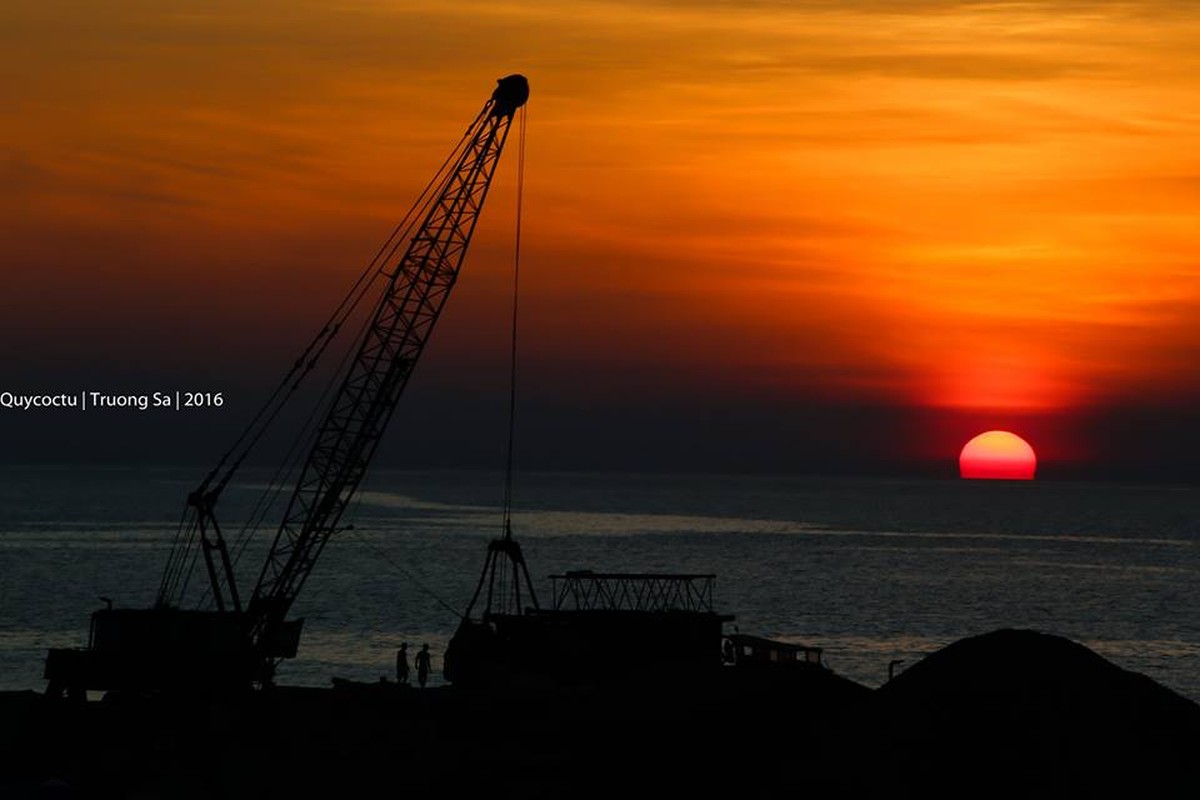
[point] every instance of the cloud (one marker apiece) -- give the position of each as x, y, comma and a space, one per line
786, 198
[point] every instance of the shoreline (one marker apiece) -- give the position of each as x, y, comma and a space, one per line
1009, 710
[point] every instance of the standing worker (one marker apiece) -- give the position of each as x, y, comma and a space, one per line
402, 664
423, 665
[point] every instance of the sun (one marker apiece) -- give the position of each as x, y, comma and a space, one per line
998, 455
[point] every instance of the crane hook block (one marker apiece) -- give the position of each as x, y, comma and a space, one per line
511, 93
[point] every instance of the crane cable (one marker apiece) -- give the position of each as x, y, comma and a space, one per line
512, 404
512, 375
182, 559
377, 267
412, 576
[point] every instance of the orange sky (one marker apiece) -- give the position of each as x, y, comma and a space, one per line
985, 208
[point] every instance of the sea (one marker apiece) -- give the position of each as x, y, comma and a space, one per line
872, 571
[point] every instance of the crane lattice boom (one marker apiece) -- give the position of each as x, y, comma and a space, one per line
416, 293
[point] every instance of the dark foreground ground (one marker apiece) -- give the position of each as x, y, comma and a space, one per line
1008, 714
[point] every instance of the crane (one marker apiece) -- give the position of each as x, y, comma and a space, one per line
234, 643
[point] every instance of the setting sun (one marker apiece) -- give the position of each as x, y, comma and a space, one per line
997, 455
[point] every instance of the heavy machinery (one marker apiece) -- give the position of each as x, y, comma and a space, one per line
231, 642
601, 627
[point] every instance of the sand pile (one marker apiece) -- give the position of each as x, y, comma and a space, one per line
1026, 714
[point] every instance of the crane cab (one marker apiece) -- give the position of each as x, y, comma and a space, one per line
167, 649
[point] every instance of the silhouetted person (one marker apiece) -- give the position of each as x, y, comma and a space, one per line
727, 651
423, 665
402, 663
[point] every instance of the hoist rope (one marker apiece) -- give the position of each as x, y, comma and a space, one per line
508, 480
512, 375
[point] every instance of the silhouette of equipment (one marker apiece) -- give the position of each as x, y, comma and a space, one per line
601, 627
230, 642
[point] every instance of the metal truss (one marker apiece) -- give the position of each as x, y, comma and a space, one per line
615, 591
418, 287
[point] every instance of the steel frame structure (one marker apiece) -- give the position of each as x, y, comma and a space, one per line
416, 293
616, 591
